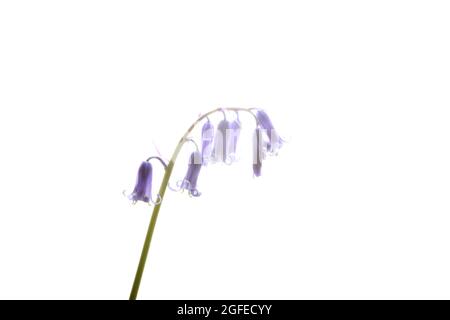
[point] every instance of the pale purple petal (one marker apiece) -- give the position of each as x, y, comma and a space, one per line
207, 141
221, 145
190, 180
275, 141
234, 132
257, 152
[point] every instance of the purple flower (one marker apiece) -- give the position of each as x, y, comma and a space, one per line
221, 150
190, 180
143, 189
275, 141
233, 136
207, 141
258, 152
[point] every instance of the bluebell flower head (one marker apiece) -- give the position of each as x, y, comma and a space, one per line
275, 141
143, 188
190, 180
207, 141
221, 152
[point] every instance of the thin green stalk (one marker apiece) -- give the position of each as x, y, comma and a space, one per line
162, 191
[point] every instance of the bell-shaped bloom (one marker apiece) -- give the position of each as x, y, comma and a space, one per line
233, 136
221, 152
258, 152
275, 141
143, 188
207, 141
190, 180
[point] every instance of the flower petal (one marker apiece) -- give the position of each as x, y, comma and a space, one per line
257, 152
207, 141
190, 180
221, 145
275, 141
234, 132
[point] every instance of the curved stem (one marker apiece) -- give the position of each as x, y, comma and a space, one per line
195, 143
160, 160
162, 191
223, 113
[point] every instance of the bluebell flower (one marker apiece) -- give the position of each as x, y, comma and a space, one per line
221, 152
207, 141
275, 141
233, 136
143, 188
258, 152
190, 180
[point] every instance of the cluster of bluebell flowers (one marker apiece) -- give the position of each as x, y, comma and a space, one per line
218, 144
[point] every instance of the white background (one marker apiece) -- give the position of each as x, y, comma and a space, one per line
356, 205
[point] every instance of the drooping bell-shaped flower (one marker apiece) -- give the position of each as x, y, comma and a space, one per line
233, 133
190, 180
143, 188
207, 141
221, 152
258, 152
275, 141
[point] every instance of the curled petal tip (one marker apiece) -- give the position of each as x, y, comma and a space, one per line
194, 193
157, 201
256, 171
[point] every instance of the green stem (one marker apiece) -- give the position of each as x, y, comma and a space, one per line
162, 191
